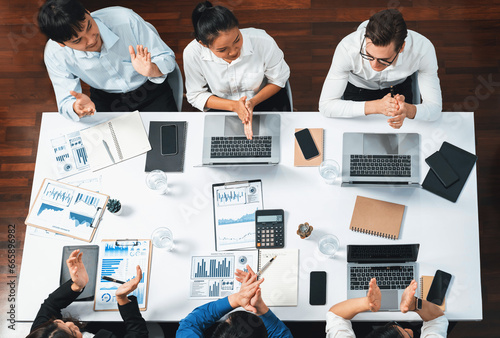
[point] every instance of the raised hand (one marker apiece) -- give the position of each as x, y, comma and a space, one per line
77, 271
374, 296
128, 287
142, 62
408, 298
83, 105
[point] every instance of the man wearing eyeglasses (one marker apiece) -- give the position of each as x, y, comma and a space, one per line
371, 73
338, 324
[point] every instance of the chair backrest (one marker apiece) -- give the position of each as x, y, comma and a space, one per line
174, 78
289, 93
415, 89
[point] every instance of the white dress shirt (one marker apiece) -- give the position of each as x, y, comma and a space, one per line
338, 327
348, 66
260, 62
110, 69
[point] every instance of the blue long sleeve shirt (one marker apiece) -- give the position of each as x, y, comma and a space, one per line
110, 69
206, 315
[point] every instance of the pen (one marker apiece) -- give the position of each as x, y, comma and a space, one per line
265, 266
109, 152
110, 279
392, 91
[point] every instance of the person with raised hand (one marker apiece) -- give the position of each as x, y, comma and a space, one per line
233, 69
118, 54
49, 321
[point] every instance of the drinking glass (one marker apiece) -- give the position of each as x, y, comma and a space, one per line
157, 181
328, 245
329, 170
163, 239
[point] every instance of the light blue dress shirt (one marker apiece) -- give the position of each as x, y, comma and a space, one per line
110, 69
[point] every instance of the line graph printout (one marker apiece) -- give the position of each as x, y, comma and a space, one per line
67, 210
119, 260
70, 155
234, 214
212, 276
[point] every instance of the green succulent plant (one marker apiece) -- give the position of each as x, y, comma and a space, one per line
114, 205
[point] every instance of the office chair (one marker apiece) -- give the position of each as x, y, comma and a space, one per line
415, 88
155, 330
289, 93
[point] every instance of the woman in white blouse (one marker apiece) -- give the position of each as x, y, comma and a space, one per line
232, 69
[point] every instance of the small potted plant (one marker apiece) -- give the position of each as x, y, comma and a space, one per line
114, 206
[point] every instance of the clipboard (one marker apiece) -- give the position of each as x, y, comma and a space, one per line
118, 259
67, 210
235, 204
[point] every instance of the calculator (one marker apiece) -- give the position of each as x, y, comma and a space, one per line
269, 229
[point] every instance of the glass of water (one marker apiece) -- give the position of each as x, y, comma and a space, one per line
329, 170
163, 239
328, 245
157, 181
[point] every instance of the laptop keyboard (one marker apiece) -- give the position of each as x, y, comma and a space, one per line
380, 252
236, 146
388, 277
381, 165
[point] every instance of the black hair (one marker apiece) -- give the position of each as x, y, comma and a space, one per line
386, 331
61, 20
50, 329
209, 21
241, 324
387, 26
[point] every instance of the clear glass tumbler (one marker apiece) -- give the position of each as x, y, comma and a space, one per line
328, 245
157, 181
163, 239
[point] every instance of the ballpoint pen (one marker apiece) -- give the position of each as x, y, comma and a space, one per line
265, 266
107, 149
111, 279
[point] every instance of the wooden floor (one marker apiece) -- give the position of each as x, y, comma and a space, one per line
467, 42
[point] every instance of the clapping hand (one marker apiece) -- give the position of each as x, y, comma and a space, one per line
374, 296
77, 271
256, 301
128, 287
408, 298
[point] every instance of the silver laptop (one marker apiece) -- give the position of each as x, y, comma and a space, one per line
394, 267
371, 159
225, 143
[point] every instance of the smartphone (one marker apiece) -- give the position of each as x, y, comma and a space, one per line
438, 287
168, 135
442, 169
306, 144
317, 288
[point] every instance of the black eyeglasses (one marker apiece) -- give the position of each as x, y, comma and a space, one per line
371, 58
406, 335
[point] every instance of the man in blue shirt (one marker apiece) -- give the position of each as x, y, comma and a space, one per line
261, 322
118, 54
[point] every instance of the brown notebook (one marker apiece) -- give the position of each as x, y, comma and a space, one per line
299, 160
425, 285
377, 218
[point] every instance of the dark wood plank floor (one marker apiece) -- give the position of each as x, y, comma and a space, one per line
465, 34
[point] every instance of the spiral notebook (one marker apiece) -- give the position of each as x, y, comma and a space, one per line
425, 285
115, 141
281, 277
377, 218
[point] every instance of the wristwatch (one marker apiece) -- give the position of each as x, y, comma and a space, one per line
418, 304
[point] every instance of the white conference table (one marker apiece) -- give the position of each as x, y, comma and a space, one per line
447, 232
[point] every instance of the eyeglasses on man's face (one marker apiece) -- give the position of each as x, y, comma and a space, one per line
371, 58
406, 334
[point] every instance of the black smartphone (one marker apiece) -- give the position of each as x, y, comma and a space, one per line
442, 169
168, 136
317, 288
306, 144
438, 287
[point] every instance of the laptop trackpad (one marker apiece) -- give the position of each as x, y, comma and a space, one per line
234, 127
390, 300
380, 144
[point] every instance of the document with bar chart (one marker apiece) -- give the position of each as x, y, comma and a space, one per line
212, 276
234, 214
67, 210
70, 155
118, 260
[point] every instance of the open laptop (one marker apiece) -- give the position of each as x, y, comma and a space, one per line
225, 143
371, 159
394, 267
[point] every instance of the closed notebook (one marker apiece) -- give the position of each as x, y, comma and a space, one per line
299, 159
280, 287
425, 285
377, 218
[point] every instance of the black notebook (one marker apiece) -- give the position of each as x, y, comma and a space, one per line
167, 163
90, 258
462, 163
